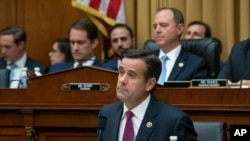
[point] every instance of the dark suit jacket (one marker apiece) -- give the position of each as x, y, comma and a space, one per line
65, 66
237, 66
30, 64
111, 64
166, 121
194, 67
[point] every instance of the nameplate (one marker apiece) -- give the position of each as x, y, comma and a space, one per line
85, 87
209, 83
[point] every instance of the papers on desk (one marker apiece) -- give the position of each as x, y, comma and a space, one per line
234, 85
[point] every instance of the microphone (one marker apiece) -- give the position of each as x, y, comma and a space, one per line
101, 126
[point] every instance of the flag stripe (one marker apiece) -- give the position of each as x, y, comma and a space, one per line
113, 8
120, 18
95, 4
104, 6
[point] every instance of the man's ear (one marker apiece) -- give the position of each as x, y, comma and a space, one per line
150, 84
180, 28
21, 45
95, 43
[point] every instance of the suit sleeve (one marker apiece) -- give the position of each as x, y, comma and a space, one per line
226, 72
184, 129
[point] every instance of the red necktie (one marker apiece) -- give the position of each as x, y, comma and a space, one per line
128, 134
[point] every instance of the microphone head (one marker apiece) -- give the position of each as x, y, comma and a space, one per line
102, 123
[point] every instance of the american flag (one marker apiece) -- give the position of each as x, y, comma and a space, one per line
104, 13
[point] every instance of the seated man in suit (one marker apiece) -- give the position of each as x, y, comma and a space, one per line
121, 38
150, 119
83, 36
237, 68
15, 57
178, 64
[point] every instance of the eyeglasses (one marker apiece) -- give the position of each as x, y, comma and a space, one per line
54, 51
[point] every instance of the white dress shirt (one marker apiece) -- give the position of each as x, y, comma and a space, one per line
172, 56
17, 71
89, 62
139, 112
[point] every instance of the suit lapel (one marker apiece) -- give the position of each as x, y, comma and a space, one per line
28, 63
149, 121
178, 66
3, 63
116, 122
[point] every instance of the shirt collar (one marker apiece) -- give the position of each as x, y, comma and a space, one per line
173, 54
140, 110
89, 62
20, 62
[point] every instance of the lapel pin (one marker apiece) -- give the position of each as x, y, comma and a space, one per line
149, 124
181, 64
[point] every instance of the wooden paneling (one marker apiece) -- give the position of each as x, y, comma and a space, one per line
12, 134
45, 21
63, 134
56, 114
8, 13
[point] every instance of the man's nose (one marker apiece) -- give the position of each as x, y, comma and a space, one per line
119, 42
74, 46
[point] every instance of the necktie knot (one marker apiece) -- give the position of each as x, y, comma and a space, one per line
79, 64
129, 115
164, 58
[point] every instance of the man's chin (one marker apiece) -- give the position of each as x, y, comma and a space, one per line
121, 96
159, 42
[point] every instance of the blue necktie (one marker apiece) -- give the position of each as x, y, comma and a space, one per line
11, 77
128, 134
163, 70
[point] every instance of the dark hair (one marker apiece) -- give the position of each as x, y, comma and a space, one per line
88, 26
18, 33
208, 32
152, 61
121, 25
64, 47
178, 17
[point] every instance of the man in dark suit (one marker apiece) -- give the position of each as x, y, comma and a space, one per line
83, 36
152, 120
237, 67
178, 64
121, 38
12, 43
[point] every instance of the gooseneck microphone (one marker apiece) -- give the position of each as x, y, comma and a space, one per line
101, 126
